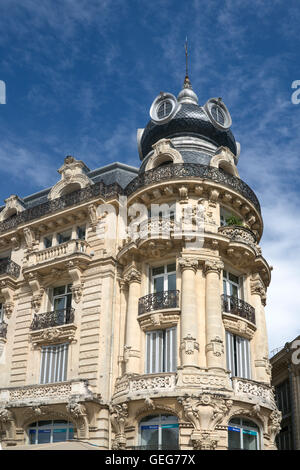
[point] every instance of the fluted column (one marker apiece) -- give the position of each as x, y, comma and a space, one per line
132, 351
260, 348
215, 339
189, 344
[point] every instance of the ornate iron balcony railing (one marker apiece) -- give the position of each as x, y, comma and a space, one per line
238, 307
167, 172
3, 329
159, 301
54, 318
192, 170
8, 266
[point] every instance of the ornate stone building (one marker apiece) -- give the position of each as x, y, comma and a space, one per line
132, 300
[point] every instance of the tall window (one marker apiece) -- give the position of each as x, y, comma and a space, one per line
232, 285
161, 351
1, 313
64, 236
43, 432
238, 356
54, 363
62, 303
242, 435
163, 278
159, 432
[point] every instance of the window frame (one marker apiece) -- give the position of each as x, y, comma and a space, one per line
241, 426
165, 276
66, 425
52, 365
164, 344
159, 425
238, 356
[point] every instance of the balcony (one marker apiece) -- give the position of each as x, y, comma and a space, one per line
240, 234
9, 268
3, 330
45, 393
53, 318
155, 228
159, 301
136, 386
253, 390
57, 254
238, 307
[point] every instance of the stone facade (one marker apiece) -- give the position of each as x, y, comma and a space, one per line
106, 390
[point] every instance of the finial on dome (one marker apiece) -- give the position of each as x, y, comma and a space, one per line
187, 94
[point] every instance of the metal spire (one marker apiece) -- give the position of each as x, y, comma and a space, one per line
187, 83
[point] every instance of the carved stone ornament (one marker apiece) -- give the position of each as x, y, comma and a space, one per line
257, 287
118, 417
73, 174
7, 289
204, 440
132, 275
189, 345
13, 205
37, 289
74, 271
274, 425
213, 266
5, 415
158, 320
205, 411
188, 263
30, 238
163, 151
216, 345
239, 327
93, 217
53, 335
79, 414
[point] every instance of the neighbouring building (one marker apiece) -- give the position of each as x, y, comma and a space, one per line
134, 326
286, 381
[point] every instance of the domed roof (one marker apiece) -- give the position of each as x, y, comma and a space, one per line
190, 119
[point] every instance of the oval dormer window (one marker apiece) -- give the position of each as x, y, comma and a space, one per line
164, 109
218, 114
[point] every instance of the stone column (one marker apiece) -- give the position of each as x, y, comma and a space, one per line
259, 348
132, 351
215, 337
189, 344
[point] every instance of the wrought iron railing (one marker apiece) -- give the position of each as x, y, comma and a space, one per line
167, 172
8, 266
238, 307
159, 301
3, 329
54, 318
76, 197
192, 170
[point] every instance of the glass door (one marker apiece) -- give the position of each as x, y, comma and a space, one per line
62, 303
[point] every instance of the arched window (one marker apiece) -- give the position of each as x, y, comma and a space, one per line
159, 432
242, 434
44, 432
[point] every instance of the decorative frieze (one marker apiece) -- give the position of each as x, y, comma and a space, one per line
156, 382
254, 389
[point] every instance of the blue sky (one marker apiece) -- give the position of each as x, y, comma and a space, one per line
81, 76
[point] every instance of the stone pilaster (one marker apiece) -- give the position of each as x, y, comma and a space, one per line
260, 341
189, 344
132, 351
215, 340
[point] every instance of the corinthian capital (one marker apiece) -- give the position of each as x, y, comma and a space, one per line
132, 275
188, 263
213, 266
257, 287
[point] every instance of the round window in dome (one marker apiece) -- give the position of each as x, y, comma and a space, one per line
218, 113
163, 108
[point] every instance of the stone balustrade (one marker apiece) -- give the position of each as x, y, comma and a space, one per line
145, 383
251, 389
44, 393
55, 252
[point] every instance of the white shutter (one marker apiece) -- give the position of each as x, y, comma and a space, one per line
230, 353
54, 363
154, 351
170, 350
243, 357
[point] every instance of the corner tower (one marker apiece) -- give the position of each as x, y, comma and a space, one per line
193, 367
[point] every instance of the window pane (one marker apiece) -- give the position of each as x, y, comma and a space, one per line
171, 267
44, 436
169, 435
59, 435
249, 440
234, 291
172, 282
158, 284
59, 290
233, 278
234, 438
32, 436
149, 435
159, 270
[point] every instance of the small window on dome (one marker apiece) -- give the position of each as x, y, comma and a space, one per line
164, 109
218, 114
